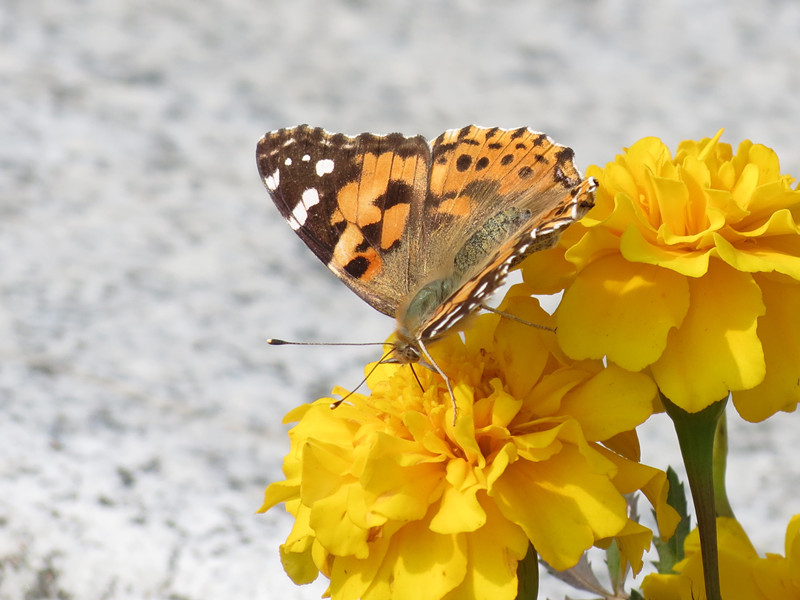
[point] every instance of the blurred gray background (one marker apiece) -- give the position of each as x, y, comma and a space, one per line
142, 265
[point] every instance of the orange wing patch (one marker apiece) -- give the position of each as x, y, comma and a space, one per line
358, 261
501, 159
395, 220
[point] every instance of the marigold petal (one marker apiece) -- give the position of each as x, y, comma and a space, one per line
716, 349
522, 370
548, 269
297, 413
780, 253
625, 444
637, 249
774, 579
613, 401
334, 530
424, 560
621, 310
736, 556
771, 198
459, 510
297, 562
658, 586
653, 483
400, 481
327, 463
297, 552
550, 392
368, 578
779, 576
763, 157
562, 506
277, 492
595, 243
746, 184
494, 551
780, 389
422, 430
633, 541
792, 542
672, 200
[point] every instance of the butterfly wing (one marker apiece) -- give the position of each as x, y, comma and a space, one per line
491, 272
351, 200
495, 195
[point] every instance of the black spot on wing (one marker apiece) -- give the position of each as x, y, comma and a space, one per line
525, 172
564, 157
463, 163
397, 192
441, 151
357, 267
464, 132
539, 139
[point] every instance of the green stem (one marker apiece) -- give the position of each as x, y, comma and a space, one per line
528, 575
696, 433
721, 503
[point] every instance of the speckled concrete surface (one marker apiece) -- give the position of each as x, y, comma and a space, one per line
142, 267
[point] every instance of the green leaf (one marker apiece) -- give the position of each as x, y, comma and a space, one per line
671, 551
614, 565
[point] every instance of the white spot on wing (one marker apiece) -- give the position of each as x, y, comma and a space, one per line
273, 180
306, 158
481, 289
324, 166
309, 198
299, 216
288, 161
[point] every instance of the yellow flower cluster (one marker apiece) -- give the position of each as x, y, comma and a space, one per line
688, 266
744, 574
681, 281
389, 497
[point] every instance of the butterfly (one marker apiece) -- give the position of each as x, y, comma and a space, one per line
423, 232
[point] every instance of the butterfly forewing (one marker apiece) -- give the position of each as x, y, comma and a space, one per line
349, 199
491, 272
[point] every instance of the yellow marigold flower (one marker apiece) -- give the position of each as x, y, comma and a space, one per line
744, 575
390, 498
687, 265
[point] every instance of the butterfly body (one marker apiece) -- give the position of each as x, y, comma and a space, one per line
424, 232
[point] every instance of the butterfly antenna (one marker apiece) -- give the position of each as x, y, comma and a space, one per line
438, 369
279, 342
421, 387
336, 403
506, 315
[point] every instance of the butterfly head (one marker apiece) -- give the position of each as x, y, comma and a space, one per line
404, 351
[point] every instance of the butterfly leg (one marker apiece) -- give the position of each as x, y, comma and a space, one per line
506, 315
438, 369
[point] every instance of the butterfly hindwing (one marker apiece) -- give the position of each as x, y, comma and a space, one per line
494, 196
491, 272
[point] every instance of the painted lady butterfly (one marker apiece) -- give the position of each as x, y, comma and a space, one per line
423, 232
